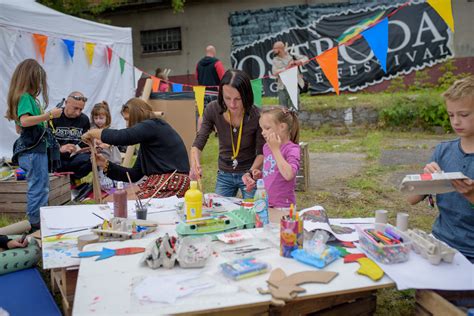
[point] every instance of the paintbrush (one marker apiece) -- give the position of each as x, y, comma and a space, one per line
161, 186
198, 177
139, 202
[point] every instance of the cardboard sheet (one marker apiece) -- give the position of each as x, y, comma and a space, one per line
430, 183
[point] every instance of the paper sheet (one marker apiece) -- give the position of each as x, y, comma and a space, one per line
154, 206
67, 217
151, 289
418, 273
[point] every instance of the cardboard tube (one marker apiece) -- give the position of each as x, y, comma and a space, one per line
16, 229
402, 221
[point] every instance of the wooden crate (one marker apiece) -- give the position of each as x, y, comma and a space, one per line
302, 178
436, 303
13, 194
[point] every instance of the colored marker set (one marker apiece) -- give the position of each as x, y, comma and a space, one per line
386, 245
244, 268
291, 233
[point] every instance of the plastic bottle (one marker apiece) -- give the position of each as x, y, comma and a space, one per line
261, 204
120, 201
193, 202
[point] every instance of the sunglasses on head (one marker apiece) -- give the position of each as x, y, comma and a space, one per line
78, 98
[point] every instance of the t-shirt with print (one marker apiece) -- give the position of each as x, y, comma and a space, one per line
29, 105
70, 130
455, 222
281, 193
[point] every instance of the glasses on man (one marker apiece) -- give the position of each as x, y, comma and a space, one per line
78, 98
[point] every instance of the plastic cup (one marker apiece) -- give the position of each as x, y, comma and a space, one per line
141, 212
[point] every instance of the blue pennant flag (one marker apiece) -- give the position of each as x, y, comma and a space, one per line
377, 37
177, 87
70, 47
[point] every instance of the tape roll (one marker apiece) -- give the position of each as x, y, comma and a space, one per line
86, 239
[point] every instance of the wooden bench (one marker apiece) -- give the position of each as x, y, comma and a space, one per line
13, 195
302, 178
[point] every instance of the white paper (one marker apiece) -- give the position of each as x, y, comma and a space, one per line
67, 217
418, 273
154, 206
151, 289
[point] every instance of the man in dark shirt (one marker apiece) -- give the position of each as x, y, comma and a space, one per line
68, 129
209, 72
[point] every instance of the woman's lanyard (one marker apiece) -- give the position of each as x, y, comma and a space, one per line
236, 149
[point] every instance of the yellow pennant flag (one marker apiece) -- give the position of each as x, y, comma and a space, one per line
445, 10
199, 92
90, 52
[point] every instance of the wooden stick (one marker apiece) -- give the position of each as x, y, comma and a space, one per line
198, 177
161, 186
95, 175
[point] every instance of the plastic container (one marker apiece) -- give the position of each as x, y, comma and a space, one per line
193, 202
385, 253
120, 201
244, 268
261, 204
319, 261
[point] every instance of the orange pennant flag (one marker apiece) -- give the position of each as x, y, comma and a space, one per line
328, 63
156, 83
90, 52
41, 42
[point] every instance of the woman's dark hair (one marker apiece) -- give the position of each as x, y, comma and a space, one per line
240, 81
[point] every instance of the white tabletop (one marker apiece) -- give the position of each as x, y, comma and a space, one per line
106, 287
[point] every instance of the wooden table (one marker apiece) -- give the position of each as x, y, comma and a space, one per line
106, 287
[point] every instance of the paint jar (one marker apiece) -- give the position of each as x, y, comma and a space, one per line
120, 201
141, 211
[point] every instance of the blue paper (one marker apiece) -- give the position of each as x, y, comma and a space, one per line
70, 47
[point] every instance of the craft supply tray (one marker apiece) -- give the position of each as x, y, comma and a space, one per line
383, 253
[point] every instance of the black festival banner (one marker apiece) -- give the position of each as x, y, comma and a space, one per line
418, 38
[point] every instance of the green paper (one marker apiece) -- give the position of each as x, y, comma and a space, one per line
257, 92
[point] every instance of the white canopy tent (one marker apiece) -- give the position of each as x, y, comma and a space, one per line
20, 19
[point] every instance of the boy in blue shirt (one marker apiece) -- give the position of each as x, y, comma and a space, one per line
455, 223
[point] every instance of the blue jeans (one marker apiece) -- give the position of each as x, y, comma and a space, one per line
228, 184
36, 169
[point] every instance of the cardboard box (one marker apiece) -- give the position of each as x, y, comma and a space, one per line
430, 183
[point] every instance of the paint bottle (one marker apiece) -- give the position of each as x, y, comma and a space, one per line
260, 204
193, 202
120, 201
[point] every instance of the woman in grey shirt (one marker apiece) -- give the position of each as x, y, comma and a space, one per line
235, 118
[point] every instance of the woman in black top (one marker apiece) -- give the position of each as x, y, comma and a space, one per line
161, 152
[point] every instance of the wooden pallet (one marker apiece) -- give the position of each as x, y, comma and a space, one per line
13, 195
302, 178
434, 303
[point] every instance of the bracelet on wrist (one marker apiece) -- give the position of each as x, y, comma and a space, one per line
106, 167
50, 115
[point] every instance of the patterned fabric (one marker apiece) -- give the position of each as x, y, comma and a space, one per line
177, 185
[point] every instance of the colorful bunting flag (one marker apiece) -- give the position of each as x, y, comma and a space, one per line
353, 32
377, 37
156, 84
289, 78
41, 42
90, 52
70, 47
199, 92
177, 87
328, 63
445, 11
257, 89
138, 74
109, 55
122, 65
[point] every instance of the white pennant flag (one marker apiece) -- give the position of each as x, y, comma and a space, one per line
138, 74
11, 40
290, 80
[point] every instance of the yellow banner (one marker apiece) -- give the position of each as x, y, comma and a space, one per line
445, 11
90, 52
199, 92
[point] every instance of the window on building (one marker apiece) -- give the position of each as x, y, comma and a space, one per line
163, 40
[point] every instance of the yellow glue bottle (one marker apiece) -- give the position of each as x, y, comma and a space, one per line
193, 202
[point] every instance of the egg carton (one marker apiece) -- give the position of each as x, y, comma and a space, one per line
430, 248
